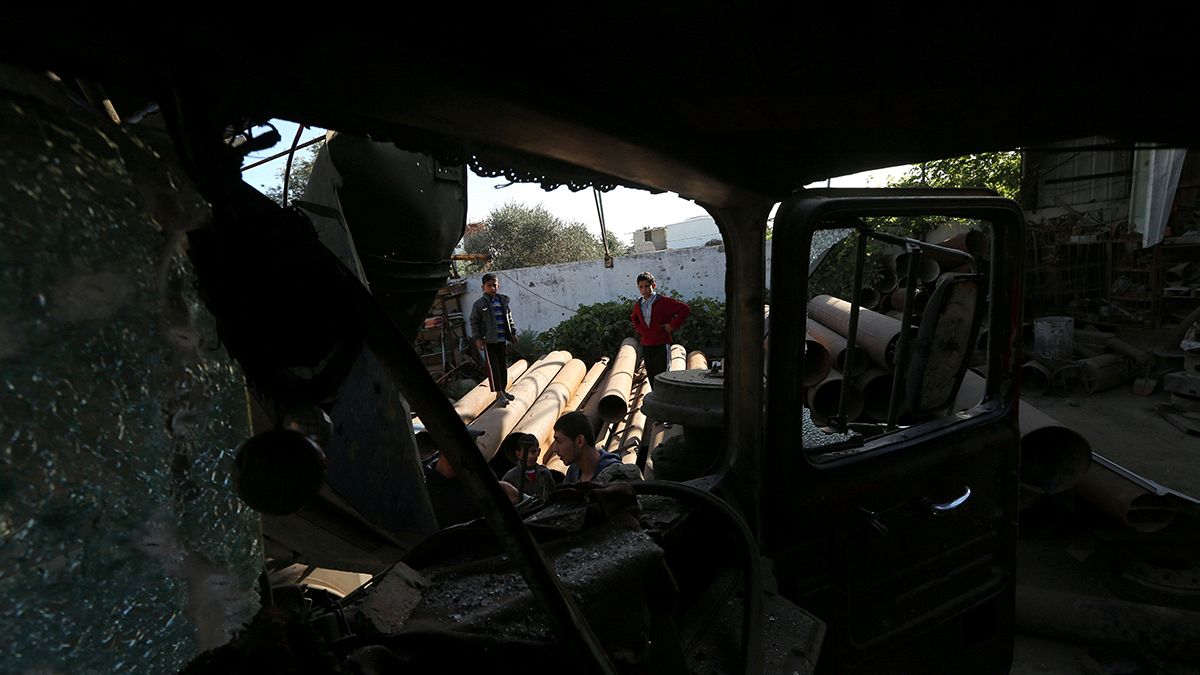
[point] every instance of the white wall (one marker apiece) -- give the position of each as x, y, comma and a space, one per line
542, 297
695, 231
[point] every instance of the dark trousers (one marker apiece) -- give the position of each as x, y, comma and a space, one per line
497, 357
656, 358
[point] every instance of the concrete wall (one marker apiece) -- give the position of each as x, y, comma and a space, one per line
542, 297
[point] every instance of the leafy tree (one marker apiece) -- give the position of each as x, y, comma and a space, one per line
302, 166
1000, 171
529, 236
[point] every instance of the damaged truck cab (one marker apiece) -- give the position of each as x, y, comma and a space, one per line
831, 535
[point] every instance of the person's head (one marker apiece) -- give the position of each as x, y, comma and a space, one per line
491, 284
646, 285
573, 436
522, 449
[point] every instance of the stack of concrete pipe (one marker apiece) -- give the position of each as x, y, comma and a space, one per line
633, 432
867, 371
1088, 362
891, 280
498, 421
579, 400
552, 402
614, 401
474, 402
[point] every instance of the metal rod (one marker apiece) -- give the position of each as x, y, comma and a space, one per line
860, 259
924, 246
901, 374
400, 360
274, 157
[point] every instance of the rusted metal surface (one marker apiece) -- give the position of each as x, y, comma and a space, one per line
499, 421
614, 399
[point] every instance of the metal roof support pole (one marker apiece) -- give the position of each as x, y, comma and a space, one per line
744, 229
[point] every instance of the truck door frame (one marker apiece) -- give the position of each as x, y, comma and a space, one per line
830, 519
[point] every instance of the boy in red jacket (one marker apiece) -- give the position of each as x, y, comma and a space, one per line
655, 317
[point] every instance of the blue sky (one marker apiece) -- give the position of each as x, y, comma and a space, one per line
625, 210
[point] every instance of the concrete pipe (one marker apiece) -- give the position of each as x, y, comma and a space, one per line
587, 384
1035, 378
824, 399
885, 281
869, 298
550, 404
1125, 500
1054, 458
877, 334
835, 345
499, 421
974, 242
635, 430
1091, 620
876, 388
696, 360
614, 399
1103, 372
678, 360
1138, 356
478, 399
927, 268
895, 314
896, 301
817, 362
590, 406
474, 403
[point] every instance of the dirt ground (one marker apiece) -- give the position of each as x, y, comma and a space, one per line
1067, 546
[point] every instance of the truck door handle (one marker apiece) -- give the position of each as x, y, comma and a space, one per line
939, 509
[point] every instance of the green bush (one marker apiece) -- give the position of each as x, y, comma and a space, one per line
532, 346
704, 328
597, 330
